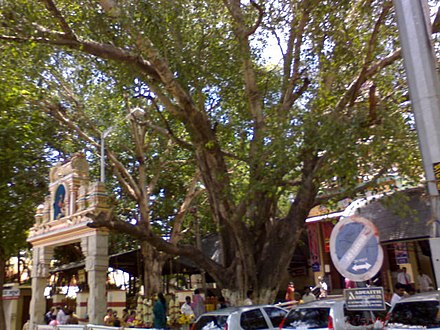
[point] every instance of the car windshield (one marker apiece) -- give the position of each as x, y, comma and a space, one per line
207, 322
310, 318
417, 313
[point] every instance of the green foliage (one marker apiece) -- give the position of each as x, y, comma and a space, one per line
23, 166
30, 142
197, 41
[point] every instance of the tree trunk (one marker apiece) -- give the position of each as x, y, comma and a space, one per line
260, 296
233, 297
2, 282
153, 265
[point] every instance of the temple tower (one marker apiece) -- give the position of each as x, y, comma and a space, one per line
62, 220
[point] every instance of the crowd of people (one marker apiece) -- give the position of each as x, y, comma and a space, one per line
194, 306
189, 311
112, 318
405, 286
60, 315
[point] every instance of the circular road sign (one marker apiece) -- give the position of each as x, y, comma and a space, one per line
355, 249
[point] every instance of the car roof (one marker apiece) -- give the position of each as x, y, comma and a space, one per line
230, 310
424, 296
328, 302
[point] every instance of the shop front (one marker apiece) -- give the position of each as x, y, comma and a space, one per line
403, 221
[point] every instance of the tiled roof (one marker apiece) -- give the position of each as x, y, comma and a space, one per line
404, 216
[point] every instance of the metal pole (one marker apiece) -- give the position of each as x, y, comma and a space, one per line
424, 88
102, 157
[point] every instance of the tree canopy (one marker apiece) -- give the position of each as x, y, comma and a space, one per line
253, 112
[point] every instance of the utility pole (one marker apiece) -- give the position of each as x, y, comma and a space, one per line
424, 89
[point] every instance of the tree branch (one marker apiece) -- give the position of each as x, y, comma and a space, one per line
292, 74
353, 89
436, 23
50, 5
58, 112
107, 220
259, 19
105, 51
368, 71
192, 192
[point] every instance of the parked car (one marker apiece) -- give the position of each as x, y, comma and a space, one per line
421, 310
241, 318
330, 314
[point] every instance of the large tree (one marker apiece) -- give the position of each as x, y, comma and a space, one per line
253, 113
25, 146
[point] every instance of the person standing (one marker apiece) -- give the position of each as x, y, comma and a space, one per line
27, 325
248, 301
221, 303
125, 316
349, 284
308, 295
424, 282
198, 304
398, 294
109, 317
323, 287
48, 315
404, 279
61, 315
188, 313
290, 292
72, 318
160, 312
131, 317
53, 320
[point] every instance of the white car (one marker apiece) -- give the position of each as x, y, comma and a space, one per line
420, 311
331, 314
241, 318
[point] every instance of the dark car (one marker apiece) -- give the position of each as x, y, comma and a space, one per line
420, 311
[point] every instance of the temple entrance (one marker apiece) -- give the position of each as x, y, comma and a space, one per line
62, 220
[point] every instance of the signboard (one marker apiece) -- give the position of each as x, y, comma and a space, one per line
436, 168
365, 299
81, 276
355, 249
11, 294
401, 253
298, 271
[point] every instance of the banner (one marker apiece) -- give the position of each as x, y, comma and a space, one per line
327, 228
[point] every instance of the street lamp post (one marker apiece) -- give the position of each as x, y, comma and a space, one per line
106, 133
103, 136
